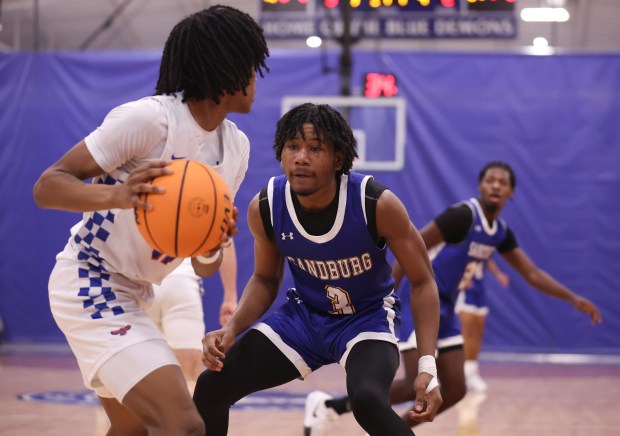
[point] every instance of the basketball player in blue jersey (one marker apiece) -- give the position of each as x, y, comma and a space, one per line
102, 280
333, 228
461, 240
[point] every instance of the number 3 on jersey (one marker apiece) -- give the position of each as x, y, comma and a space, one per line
341, 302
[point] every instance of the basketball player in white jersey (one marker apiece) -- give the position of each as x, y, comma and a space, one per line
103, 278
177, 310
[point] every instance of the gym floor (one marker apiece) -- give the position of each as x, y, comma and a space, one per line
41, 392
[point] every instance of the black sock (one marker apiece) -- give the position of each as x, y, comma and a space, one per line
340, 405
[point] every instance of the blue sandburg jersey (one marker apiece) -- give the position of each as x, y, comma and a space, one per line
456, 265
343, 271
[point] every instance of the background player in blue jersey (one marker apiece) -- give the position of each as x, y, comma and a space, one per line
472, 308
459, 241
333, 227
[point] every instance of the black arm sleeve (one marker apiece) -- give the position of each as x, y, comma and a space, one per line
265, 213
454, 223
509, 243
373, 192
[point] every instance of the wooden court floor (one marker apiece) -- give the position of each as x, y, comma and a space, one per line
537, 399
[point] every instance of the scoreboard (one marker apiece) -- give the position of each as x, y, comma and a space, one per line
408, 5
390, 18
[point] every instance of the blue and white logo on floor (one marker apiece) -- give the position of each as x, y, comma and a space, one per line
255, 401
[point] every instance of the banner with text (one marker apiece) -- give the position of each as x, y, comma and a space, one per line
411, 19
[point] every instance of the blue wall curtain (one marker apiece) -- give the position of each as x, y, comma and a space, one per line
554, 119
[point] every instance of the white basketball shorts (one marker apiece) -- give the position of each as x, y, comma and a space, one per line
100, 315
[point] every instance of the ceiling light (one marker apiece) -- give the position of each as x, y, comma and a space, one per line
313, 41
547, 15
540, 42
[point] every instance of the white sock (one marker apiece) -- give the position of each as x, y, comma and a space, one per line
471, 367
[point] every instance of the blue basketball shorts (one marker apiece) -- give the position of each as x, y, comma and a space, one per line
311, 339
473, 300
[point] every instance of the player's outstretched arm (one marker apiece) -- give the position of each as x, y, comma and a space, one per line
544, 282
258, 294
403, 239
228, 276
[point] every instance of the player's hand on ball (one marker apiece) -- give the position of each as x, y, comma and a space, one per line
137, 183
232, 229
226, 238
190, 211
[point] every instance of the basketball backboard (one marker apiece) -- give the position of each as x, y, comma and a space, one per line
379, 126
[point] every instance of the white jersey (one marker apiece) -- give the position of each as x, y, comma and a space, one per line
153, 128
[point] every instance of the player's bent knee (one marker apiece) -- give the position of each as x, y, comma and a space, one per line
129, 430
194, 426
365, 401
185, 422
212, 391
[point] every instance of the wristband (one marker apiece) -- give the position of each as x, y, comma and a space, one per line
427, 364
209, 260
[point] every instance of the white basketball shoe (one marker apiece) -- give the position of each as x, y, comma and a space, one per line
318, 417
473, 380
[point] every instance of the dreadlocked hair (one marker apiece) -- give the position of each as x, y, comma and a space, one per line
329, 126
212, 53
502, 165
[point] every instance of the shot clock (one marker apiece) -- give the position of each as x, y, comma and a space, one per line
380, 85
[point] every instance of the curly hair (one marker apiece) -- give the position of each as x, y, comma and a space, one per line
212, 53
502, 165
329, 125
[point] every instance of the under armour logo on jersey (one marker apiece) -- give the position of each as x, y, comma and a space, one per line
285, 236
478, 228
122, 331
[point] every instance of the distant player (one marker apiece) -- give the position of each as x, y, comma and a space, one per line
460, 241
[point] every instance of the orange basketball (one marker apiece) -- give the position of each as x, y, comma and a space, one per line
190, 218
